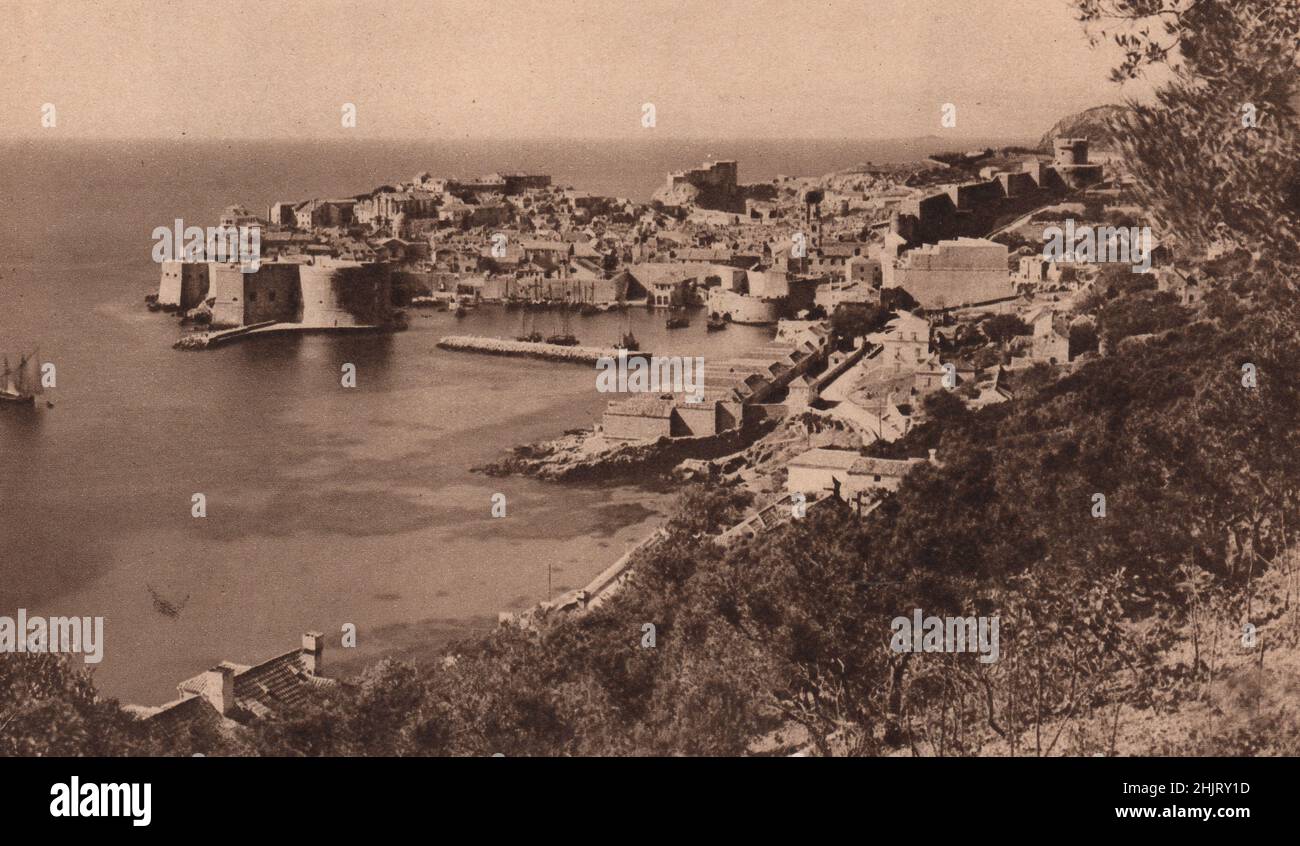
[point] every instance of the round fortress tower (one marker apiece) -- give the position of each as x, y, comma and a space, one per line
1067, 152
345, 293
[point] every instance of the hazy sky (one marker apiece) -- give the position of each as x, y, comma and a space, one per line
564, 68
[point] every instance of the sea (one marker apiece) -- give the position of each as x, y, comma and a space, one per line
327, 507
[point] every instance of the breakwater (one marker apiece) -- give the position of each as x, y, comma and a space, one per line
207, 340
529, 349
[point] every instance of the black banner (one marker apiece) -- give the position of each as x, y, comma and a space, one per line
649, 795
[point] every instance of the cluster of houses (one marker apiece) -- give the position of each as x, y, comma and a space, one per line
752, 253
771, 380
881, 395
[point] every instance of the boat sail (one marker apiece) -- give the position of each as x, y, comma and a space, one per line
627, 341
565, 337
528, 324
21, 384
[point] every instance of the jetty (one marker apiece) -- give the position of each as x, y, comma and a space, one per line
219, 337
530, 349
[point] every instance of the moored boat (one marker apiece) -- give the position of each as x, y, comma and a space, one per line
20, 385
565, 337
528, 330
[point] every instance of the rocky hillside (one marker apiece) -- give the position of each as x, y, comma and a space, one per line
1093, 124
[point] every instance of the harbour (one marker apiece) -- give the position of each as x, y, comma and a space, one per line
340, 505
353, 504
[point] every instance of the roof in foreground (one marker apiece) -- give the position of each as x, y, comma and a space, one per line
837, 459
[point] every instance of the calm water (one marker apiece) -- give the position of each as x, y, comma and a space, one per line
326, 505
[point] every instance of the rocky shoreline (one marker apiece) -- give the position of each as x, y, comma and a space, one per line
751, 455
760, 466
585, 456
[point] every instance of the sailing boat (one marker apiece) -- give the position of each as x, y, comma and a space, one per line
589, 307
565, 337
627, 341
21, 384
528, 329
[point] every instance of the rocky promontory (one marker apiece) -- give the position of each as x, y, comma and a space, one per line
586, 455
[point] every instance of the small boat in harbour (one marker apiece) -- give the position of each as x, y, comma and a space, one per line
677, 320
565, 337
20, 385
715, 323
528, 330
627, 341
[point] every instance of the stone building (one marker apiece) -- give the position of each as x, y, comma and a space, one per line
965, 271
1051, 336
183, 285
821, 471
641, 418
324, 292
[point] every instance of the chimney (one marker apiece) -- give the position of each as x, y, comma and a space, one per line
219, 688
313, 648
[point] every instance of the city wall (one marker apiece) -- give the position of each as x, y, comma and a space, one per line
327, 294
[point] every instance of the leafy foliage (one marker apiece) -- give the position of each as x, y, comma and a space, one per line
1207, 172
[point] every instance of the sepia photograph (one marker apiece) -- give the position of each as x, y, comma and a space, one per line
897, 380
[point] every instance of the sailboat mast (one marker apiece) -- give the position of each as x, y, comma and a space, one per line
29, 378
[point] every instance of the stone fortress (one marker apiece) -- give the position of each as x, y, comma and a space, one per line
321, 292
936, 249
